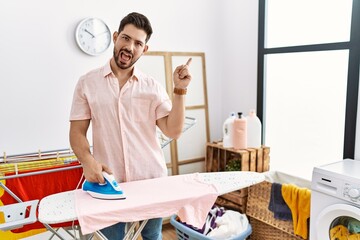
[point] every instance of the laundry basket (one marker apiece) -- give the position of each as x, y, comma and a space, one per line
264, 225
185, 233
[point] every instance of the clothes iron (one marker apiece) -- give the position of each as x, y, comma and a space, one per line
108, 190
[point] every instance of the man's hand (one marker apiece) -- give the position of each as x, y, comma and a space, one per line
93, 171
182, 75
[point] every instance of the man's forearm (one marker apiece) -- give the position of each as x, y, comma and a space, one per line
172, 125
79, 142
92, 169
176, 118
81, 148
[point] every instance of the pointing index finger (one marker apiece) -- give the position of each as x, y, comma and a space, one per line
188, 62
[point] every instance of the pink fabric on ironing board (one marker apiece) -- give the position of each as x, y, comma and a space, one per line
183, 195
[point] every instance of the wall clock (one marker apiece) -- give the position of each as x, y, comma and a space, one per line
93, 36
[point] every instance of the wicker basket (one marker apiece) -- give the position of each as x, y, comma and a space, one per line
185, 233
264, 231
265, 226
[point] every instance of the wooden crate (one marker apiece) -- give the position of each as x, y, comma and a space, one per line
251, 159
236, 200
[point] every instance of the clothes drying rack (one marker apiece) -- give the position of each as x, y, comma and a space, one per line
22, 213
26, 165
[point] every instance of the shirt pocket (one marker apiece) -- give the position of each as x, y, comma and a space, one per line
140, 109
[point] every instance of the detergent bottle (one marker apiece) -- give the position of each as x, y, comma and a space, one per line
240, 132
228, 129
253, 130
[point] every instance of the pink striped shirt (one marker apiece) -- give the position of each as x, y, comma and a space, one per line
123, 121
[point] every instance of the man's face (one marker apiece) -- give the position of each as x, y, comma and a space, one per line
129, 45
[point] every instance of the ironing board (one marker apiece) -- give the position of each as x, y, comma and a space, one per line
60, 207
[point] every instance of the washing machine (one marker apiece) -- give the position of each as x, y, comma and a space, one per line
335, 201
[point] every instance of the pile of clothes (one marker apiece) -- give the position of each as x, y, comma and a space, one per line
345, 228
223, 224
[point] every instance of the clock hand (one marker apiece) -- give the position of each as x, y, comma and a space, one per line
89, 33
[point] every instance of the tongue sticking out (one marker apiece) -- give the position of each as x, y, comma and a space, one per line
125, 57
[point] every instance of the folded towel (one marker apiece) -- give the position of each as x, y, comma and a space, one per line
298, 200
277, 204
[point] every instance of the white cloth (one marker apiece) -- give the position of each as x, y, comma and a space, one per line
230, 224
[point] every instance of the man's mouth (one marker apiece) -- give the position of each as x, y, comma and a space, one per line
125, 56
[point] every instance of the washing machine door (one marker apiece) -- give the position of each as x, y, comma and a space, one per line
338, 221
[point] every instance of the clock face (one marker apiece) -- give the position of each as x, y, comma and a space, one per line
93, 36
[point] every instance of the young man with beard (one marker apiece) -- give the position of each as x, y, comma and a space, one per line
124, 106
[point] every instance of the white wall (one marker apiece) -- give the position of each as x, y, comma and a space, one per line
239, 79
40, 62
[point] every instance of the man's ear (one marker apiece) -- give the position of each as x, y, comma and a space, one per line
115, 36
146, 48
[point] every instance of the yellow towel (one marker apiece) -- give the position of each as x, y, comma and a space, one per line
354, 236
339, 232
298, 200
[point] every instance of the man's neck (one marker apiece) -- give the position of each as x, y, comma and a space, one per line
121, 74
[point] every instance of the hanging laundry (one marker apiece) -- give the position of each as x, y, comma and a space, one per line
298, 200
277, 204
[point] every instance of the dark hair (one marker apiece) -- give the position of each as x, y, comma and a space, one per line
139, 21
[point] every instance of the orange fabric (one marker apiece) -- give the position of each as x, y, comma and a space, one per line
39, 186
298, 200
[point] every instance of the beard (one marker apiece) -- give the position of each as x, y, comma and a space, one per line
121, 64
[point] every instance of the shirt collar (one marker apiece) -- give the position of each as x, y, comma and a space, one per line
107, 71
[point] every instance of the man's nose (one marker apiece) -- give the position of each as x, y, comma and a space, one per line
131, 46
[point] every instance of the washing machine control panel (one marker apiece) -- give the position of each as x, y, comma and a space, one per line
352, 192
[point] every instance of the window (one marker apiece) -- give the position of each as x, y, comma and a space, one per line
303, 22
308, 81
